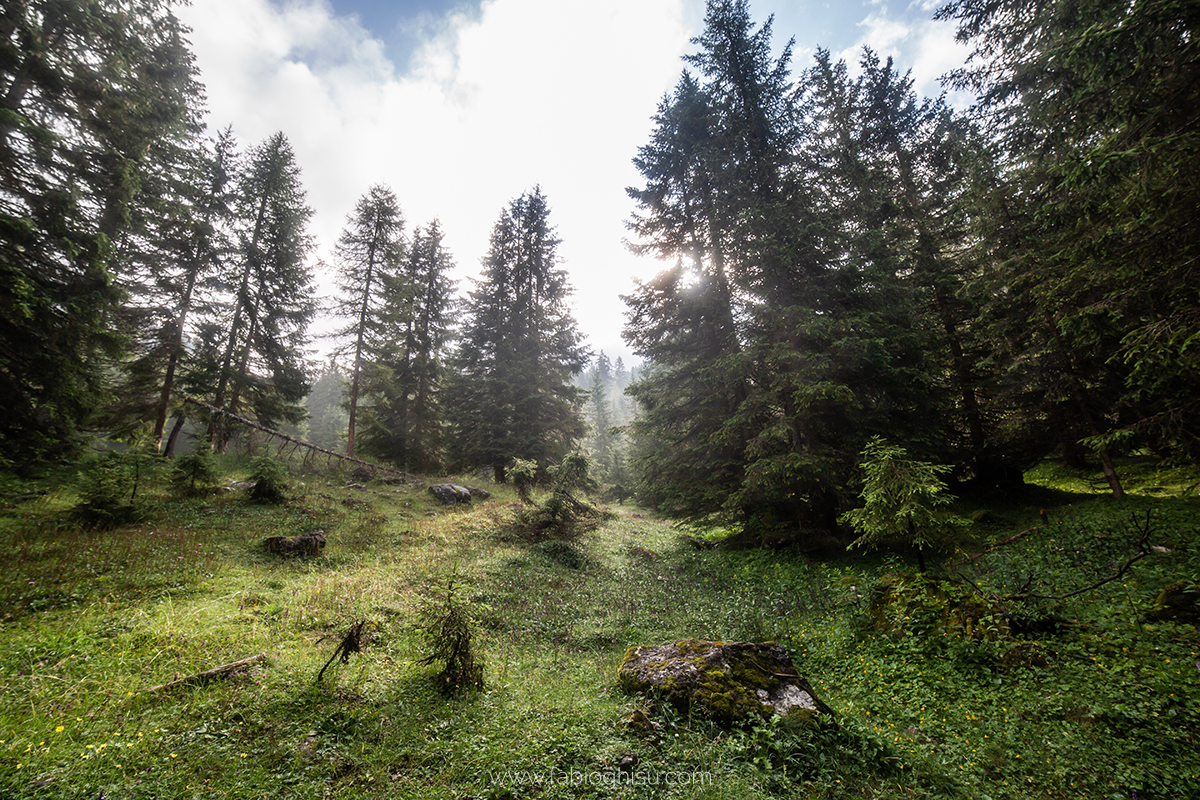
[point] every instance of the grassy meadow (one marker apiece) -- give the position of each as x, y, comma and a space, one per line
1091, 697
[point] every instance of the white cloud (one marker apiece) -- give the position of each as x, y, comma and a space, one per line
527, 92
916, 42
519, 92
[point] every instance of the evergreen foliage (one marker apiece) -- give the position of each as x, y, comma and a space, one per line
269, 479
794, 324
608, 412
524, 476
843, 260
1094, 112
177, 259
368, 252
404, 421
512, 394
903, 501
449, 632
194, 472
109, 484
89, 93
327, 419
262, 371
564, 514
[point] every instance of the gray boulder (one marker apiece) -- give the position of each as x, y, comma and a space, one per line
452, 493
728, 681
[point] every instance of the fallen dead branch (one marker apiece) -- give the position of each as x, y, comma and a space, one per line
352, 642
313, 449
223, 671
996, 546
1143, 551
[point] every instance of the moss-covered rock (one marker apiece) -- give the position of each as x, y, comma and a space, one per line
727, 681
914, 604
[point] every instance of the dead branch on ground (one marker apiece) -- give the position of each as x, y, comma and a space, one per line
224, 671
352, 642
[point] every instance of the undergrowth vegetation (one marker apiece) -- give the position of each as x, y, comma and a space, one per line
995, 677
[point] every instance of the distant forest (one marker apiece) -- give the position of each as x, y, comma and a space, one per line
846, 261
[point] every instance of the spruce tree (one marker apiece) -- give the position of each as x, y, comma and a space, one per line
368, 254
512, 395
683, 320
796, 322
403, 420
177, 254
262, 369
714, 201
1094, 109
602, 442
86, 90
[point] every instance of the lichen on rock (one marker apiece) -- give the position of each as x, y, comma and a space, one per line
728, 681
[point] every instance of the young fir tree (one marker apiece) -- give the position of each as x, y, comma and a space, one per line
903, 502
368, 253
86, 90
512, 395
262, 368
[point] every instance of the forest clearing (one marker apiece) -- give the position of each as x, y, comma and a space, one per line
907, 400
1101, 700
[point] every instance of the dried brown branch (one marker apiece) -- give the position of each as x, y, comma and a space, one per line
996, 546
352, 642
1143, 551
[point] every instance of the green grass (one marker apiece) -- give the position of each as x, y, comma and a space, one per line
1103, 704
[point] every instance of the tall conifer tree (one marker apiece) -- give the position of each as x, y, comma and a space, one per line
512, 395
403, 420
86, 89
787, 332
368, 253
262, 369
1095, 107
177, 253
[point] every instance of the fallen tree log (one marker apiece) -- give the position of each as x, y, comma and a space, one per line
297, 443
222, 671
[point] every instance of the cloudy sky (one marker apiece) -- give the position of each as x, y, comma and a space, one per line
461, 105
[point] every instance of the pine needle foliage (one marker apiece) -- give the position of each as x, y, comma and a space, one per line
903, 501
449, 633
270, 480
195, 472
565, 514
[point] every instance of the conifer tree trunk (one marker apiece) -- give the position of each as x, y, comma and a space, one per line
358, 343
1079, 393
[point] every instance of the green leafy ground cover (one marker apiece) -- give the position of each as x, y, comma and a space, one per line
1094, 699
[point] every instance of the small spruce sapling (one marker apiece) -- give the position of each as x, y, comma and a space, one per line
902, 501
449, 632
195, 472
270, 480
523, 473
